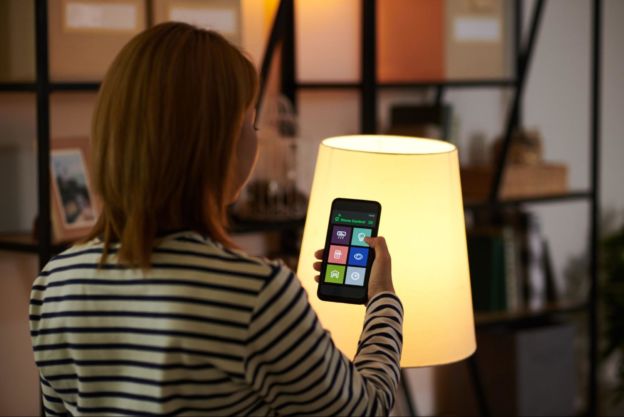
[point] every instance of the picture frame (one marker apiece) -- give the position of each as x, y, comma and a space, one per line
223, 16
75, 207
86, 35
102, 16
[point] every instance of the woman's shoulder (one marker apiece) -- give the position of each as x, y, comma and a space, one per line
182, 251
193, 243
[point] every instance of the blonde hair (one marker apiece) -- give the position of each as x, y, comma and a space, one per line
164, 133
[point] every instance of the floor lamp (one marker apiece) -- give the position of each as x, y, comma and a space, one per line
418, 185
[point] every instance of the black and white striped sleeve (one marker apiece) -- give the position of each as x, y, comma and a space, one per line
293, 364
52, 403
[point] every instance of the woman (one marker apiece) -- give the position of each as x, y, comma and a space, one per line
156, 313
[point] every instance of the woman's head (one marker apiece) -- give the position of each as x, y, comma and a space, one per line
171, 137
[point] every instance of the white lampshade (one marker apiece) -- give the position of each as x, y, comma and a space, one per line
418, 185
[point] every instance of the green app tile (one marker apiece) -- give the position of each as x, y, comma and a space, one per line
358, 235
335, 274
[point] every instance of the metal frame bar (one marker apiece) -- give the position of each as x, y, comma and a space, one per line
43, 131
328, 86
368, 102
276, 35
289, 65
406, 388
596, 90
492, 83
479, 389
18, 87
518, 18
19, 247
439, 97
149, 13
512, 118
75, 86
571, 196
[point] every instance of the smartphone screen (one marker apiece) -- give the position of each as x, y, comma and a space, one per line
347, 258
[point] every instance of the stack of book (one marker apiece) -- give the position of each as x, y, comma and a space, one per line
510, 265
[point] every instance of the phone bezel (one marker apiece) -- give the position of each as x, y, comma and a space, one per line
339, 292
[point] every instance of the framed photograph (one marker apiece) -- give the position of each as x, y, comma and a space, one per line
223, 16
74, 205
101, 16
86, 35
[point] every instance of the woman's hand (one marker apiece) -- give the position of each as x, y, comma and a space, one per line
381, 271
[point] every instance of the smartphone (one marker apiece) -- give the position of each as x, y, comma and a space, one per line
347, 258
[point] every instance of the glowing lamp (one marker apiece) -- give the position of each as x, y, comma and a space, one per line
422, 218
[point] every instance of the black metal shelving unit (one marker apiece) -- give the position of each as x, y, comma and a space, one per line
283, 31
369, 86
43, 87
42, 244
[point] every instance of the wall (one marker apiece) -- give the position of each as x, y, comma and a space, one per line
19, 385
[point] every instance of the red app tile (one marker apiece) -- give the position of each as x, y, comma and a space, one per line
337, 254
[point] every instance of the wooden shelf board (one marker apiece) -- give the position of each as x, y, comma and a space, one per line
504, 317
572, 195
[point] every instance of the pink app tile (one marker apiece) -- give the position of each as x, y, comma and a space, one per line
337, 254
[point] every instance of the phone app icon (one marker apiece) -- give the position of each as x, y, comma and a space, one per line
357, 238
355, 276
337, 254
341, 235
358, 256
335, 274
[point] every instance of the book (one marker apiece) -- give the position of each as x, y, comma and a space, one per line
536, 277
486, 255
418, 25
513, 289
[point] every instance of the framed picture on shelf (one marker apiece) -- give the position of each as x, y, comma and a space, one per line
223, 16
86, 35
74, 205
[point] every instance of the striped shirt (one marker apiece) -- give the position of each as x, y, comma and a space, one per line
205, 331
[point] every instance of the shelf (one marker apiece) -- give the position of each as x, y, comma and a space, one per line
570, 196
408, 84
75, 86
450, 84
60, 86
246, 226
18, 87
19, 242
95, 85
25, 242
521, 315
328, 86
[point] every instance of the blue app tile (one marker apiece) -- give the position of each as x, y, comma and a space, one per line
358, 256
355, 276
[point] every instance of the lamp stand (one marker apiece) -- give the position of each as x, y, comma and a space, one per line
407, 393
477, 383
